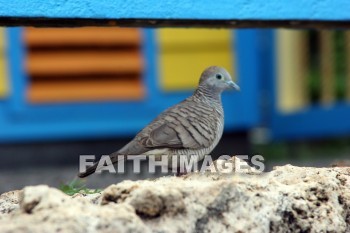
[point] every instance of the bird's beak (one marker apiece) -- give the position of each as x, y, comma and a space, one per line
233, 85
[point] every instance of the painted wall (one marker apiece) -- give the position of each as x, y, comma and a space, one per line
179, 9
23, 120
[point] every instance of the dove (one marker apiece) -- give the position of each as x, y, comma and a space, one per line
192, 127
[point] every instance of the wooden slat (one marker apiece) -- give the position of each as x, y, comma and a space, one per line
81, 36
304, 65
327, 67
293, 60
68, 91
2, 39
4, 85
89, 62
347, 44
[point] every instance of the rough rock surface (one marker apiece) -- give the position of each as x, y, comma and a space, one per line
288, 199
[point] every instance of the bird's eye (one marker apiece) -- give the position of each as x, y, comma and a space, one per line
219, 76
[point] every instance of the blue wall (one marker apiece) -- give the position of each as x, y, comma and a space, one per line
180, 9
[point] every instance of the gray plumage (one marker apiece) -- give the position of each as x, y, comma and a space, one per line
192, 127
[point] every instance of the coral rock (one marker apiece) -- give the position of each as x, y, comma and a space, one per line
288, 199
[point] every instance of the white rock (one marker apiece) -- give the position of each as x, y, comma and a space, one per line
288, 199
9, 202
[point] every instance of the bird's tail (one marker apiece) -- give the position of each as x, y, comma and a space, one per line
88, 171
92, 169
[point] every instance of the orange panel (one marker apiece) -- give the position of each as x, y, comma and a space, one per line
66, 53
82, 36
67, 91
88, 62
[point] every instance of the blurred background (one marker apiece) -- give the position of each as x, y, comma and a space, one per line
87, 91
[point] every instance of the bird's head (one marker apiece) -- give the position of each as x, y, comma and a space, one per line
217, 79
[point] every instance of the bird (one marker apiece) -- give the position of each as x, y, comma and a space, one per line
191, 127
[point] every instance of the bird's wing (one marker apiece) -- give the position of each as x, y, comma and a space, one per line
179, 130
166, 136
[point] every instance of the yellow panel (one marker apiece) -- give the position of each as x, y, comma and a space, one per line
194, 37
182, 70
185, 53
3, 72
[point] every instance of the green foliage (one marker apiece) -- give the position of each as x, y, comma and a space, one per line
77, 186
340, 64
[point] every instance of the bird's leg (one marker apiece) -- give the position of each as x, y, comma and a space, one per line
180, 173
